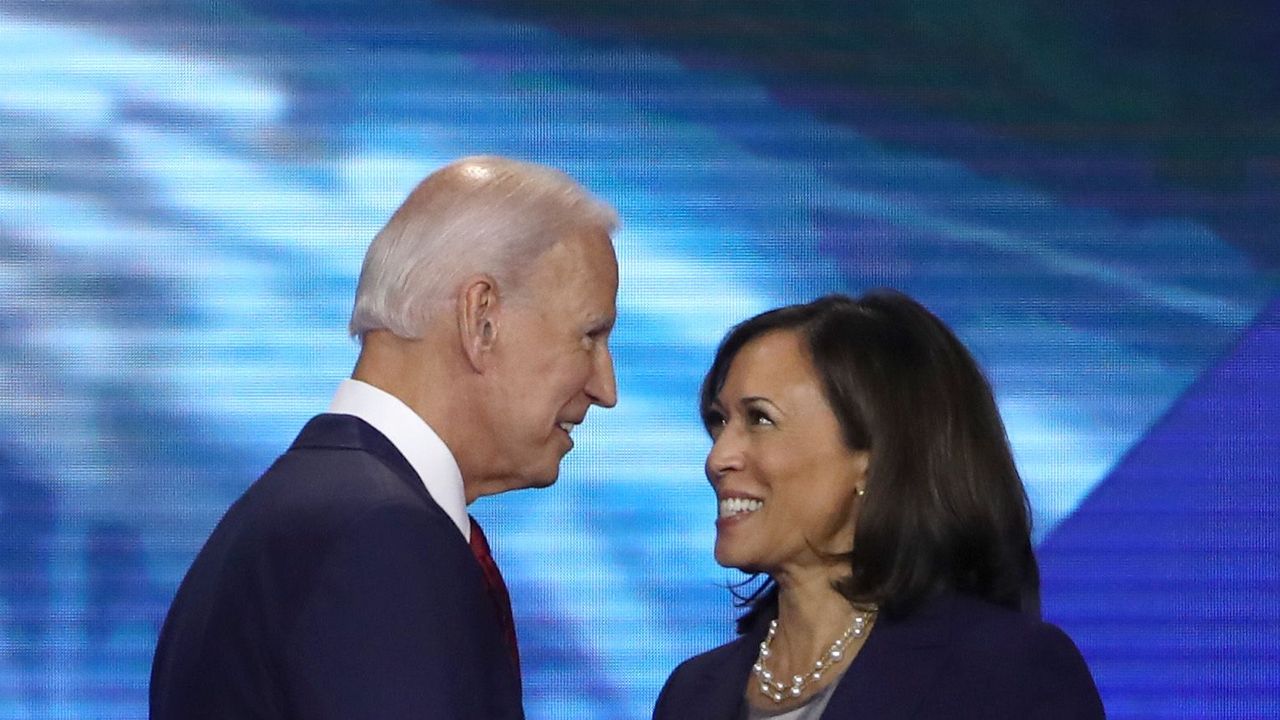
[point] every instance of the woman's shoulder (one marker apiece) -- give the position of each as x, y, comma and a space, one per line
972, 658
1009, 632
994, 646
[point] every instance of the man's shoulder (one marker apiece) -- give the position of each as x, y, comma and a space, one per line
318, 491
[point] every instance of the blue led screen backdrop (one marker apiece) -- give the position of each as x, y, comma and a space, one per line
1089, 196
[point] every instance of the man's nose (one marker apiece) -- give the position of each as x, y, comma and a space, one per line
603, 386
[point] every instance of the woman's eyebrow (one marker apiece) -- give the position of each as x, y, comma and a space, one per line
754, 399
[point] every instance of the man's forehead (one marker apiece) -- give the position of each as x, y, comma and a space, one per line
600, 311
580, 247
597, 247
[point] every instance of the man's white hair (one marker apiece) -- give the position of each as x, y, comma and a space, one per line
480, 214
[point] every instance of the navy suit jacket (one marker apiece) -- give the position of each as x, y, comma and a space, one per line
956, 657
335, 587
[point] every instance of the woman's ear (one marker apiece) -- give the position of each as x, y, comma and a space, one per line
861, 461
478, 314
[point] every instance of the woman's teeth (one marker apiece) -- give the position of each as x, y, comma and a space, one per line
736, 506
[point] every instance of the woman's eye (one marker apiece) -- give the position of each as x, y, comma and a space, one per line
756, 417
713, 421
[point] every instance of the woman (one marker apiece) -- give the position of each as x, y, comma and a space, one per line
861, 464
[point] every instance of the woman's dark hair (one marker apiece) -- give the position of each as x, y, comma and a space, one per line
944, 509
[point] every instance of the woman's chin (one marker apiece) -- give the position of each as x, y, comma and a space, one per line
726, 558
735, 559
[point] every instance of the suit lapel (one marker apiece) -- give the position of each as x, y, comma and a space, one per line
897, 667
722, 685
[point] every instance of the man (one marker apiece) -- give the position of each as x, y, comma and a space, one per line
348, 581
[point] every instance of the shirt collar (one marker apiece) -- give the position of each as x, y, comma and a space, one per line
414, 438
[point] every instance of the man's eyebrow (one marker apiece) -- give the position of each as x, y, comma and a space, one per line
602, 322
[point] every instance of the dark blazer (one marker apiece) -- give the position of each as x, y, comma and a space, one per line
956, 657
335, 587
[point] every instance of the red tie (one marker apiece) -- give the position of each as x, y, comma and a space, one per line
497, 591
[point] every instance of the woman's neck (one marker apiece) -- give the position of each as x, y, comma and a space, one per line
816, 636
811, 616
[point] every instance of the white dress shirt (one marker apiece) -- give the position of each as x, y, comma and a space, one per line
410, 434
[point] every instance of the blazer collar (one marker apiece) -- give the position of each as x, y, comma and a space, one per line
347, 432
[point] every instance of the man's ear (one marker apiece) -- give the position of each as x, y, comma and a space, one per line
478, 312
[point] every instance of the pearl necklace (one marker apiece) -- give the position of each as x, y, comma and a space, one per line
777, 691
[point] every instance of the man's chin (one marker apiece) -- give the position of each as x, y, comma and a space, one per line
534, 476
541, 479
540, 483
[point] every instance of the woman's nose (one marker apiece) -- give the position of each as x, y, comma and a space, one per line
724, 457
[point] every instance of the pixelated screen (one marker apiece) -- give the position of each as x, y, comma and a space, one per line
1088, 193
